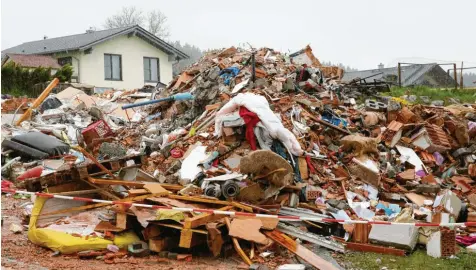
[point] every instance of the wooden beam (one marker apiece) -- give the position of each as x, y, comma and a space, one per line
237, 246
102, 191
116, 182
38, 101
214, 239
91, 157
198, 199
204, 200
374, 248
299, 250
136, 192
243, 207
79, 192
189, 239
172, 187
178, 227
121, 220
204, 218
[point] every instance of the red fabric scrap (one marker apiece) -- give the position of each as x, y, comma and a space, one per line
6, 184
309, 164
31, 173
251, 120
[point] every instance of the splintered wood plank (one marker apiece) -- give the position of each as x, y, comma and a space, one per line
204, 218
198, 199
299, 250
178, 227
209, 201
237, 246
249, 230
137, 192
268, 223
190, 239
176, 203
373, 248
416, 198
155, 188
116, 182
79, 192
102, 190
121, 220
105, 226
186, 238
214, 239
246, 208
303, 168
172, 187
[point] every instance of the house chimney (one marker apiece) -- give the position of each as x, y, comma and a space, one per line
380, 66
45, 37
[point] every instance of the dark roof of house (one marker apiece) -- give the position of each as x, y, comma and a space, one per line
87, 40
411, 74
33, 61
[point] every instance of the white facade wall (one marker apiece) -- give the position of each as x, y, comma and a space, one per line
132, 50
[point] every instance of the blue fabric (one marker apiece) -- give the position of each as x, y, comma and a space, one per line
279, 149
229, 73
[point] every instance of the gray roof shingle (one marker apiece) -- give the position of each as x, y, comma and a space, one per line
86, 40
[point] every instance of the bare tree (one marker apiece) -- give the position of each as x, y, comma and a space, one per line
126, 17
154, 21
157, 24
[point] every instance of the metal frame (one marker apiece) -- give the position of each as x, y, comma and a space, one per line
461, 84
400, 71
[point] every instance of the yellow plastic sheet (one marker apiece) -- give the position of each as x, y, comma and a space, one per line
66, 243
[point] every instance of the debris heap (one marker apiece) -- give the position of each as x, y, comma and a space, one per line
246, 150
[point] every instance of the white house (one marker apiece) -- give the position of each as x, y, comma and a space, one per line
121, 58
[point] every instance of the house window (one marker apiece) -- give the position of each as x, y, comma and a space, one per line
151, 69
65, 60
112, 67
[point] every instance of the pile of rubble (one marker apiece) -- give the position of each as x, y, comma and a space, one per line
246, 148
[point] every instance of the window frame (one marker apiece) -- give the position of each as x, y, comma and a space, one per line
67, 60
150, 68
112, 72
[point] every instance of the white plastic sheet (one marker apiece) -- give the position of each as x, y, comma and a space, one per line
189, 169
259, 105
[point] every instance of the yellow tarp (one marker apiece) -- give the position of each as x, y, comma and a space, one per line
66, 243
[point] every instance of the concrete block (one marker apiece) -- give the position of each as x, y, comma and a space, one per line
403, 237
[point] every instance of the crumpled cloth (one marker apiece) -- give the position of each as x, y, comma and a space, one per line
251, 120
260, 106
466, 240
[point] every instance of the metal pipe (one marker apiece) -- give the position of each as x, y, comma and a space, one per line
253, 67
399, 74
181, 96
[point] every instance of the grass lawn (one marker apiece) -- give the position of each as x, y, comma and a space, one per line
464, 95
418, 260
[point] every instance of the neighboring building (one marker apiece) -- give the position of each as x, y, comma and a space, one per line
32, 61
422, 74
120, 58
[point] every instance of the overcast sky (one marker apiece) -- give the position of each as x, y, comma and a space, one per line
357, 33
